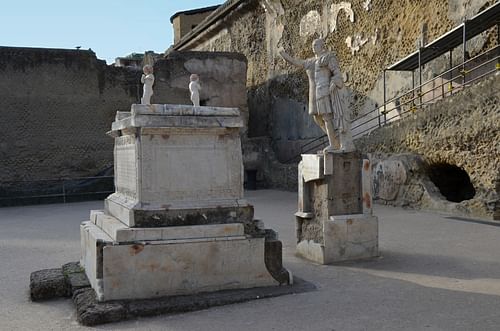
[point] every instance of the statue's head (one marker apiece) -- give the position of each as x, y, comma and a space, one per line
318, 46
147, 69
194, 77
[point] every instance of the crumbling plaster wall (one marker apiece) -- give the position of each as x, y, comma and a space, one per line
57, 106
462, 130
222, 78
366, 35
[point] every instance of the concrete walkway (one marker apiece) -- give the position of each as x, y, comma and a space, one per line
435, 273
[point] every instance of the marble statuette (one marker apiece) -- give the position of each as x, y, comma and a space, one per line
148, 80
194, 89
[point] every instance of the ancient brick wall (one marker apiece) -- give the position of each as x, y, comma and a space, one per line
56, 107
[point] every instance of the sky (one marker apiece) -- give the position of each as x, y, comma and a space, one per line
111, 28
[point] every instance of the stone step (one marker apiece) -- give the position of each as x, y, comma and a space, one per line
120, 232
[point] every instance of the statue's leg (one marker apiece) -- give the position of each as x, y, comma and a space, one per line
147, 99
197, 100
330, 131
318, 119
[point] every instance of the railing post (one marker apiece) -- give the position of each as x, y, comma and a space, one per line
385, 100
450, 86
464, 44
497, 66
442, 87
420, 75
64, 191
412, 89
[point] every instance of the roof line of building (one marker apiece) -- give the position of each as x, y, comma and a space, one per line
222, 11
193, 12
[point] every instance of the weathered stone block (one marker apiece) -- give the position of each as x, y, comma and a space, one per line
47, 284
92, 312
350, 237
92, 242
174, 162
159, 268
346, 238
312, 167
119, 232
311, 250
334, 221
274, 261
344, 192
89, 312
134, 214
75, 276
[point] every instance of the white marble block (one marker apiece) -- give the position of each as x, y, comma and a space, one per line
177, 223
346, 238
174, 157
147, 269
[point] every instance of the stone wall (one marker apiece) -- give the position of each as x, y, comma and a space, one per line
184, 22
57, 106
366, 35
222, 79
461, 132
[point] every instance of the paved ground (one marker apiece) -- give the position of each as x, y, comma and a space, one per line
435, 273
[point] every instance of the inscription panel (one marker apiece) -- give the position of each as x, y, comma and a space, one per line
345, 190
126, 166
191, 165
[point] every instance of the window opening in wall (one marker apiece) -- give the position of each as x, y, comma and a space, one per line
250, 179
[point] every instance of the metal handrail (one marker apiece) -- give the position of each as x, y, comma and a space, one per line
312, 141
416, 94
418, 105
442, 84
64, 185
54, 179
442, 74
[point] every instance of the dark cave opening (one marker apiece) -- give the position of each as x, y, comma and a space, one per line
453, 182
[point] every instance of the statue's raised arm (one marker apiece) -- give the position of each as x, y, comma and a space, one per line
296, 62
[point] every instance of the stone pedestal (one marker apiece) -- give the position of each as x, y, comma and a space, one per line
177, 222
334, 221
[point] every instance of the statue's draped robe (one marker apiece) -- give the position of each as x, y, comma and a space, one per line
325, 73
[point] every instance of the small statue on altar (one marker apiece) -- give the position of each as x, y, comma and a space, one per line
194, 88
148, 80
